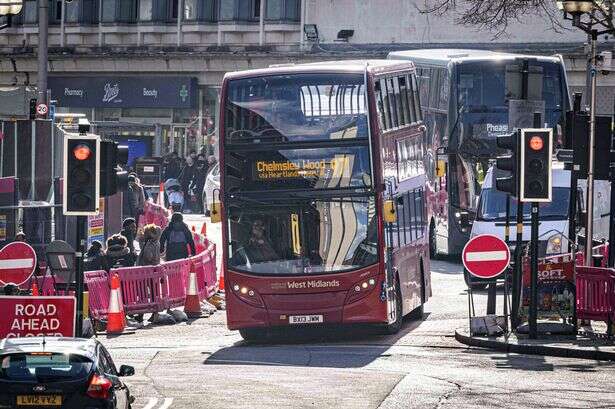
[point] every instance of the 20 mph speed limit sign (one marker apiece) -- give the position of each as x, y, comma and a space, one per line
42, 109
486, 256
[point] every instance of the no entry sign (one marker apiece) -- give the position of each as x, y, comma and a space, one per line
17, 263
37, 316
485, 256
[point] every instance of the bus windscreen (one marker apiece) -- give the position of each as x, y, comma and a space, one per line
295, 108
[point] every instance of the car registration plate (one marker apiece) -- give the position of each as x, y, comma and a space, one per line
305, 319
39, 400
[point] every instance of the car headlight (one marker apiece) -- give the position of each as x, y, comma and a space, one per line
554, 244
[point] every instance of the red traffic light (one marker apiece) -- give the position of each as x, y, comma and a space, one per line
536, 143
82, 152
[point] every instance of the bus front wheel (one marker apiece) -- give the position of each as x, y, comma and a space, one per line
253, 334
395, 326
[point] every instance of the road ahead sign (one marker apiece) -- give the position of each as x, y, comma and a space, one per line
17, 263
485, 256
37, 316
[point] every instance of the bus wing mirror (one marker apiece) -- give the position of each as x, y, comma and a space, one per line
440, 168
390, 215
214, 213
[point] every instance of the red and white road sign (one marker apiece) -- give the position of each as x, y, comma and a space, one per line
17, 263
42, 109
37, 316
485, 256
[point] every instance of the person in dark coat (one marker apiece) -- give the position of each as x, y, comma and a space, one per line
176, 238
118, 253
129, 231
185, 178
95, 258
150, 246
199, 183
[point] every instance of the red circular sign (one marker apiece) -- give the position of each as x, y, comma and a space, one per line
17, 263
485, 256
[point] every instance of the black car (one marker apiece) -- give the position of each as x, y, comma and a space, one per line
60, 373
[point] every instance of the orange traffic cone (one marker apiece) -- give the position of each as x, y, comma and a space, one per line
116, 320
192, 304
161, 195
35, 289
221, 280
204, 229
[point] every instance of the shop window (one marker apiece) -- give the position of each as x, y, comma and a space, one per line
145, 10
200, 10
30, 12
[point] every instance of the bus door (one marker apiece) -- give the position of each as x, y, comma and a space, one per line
440, 204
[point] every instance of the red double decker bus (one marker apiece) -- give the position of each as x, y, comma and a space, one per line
323, 196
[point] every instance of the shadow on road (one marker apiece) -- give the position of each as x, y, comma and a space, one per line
345, 347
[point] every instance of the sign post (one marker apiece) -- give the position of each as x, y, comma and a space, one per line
37, 316
17, 263
486, 256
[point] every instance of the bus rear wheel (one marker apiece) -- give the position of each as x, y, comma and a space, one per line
433, 249
395, 326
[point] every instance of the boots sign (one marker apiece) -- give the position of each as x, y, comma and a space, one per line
37, 316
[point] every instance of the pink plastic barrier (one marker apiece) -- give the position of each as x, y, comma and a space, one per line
205, 269
153, 213
99, 289
596, 294
174, 282
141, 289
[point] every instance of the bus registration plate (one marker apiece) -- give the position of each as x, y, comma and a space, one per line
305, 319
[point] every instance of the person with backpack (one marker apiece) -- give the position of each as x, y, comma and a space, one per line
176, 238
95, 258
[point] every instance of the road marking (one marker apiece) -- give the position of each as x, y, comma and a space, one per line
152, 403
167, 403
16, 263
486, 256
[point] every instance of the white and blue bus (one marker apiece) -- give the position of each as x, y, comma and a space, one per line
469, 97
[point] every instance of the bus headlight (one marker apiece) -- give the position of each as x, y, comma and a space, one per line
248, 295
554, 244
360, 289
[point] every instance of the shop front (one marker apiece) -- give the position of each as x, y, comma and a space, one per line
155, 115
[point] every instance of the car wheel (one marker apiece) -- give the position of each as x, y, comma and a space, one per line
395, 326
433, 250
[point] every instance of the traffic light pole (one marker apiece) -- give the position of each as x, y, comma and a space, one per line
533, 320
589, 225
81, 221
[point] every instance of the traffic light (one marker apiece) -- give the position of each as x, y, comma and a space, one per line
33, 108
81, 175
535, 175
112, 177
509, 163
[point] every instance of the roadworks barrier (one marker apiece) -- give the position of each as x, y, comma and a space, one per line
152, 289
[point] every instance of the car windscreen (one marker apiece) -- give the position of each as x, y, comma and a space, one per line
492, 206
43, 367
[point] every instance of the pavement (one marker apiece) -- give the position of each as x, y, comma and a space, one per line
202, 364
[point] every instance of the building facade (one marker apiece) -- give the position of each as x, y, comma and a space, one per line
148, 71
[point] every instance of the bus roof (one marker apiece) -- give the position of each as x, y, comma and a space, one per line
442, 56
342, 66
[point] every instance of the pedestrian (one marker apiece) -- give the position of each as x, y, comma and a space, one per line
198, 184
129, 201
137, 198
176, 238
118, 253
185, 178
129, 231
95, 258
150, 246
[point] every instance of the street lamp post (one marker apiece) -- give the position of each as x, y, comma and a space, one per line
597, 13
